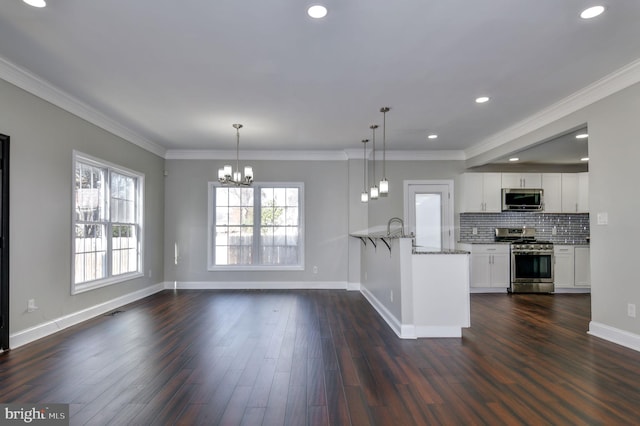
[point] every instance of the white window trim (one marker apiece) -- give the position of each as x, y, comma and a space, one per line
211, 266
109, 280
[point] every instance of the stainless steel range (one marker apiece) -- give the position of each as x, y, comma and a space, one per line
531, 260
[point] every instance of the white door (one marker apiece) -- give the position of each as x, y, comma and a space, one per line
429, 214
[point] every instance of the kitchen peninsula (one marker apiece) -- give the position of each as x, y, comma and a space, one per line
418, 292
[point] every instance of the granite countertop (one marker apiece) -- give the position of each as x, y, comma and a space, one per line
418, 251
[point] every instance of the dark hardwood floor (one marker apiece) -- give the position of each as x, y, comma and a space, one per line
326, 357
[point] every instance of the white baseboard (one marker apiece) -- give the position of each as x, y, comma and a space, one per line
488, 290
353, 286
401, 330
438, 331
572, 290
256, 285
50, 327
615, 335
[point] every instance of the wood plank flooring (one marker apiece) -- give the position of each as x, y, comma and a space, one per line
326, 358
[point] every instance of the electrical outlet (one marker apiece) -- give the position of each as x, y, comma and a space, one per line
474, 231
554, 230
315, 269
631, 310
31, 305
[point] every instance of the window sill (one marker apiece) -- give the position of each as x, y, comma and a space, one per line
92, 285
255, 268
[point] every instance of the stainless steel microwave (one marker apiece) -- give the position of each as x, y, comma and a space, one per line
521, 199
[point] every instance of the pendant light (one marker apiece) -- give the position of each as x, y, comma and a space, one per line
373, 191
364, 197
384, 183
227, 176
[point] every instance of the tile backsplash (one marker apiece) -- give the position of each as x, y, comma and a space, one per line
571, 228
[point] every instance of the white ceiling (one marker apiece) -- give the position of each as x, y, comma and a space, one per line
179, 73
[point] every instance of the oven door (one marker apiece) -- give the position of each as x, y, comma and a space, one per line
529, 267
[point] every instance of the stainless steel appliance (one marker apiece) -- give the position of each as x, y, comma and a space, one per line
521, 199
531, 260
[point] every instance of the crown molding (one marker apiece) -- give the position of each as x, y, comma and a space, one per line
600, 89
350, 154
35, 85
213, 154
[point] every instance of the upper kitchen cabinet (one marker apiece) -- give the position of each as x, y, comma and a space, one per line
521, 180
552, 192
575, 192
480, 193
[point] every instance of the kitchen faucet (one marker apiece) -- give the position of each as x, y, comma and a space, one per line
395, 219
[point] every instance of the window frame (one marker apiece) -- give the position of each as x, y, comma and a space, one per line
257, 187
108, 168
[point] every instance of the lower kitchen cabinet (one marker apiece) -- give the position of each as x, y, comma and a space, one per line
563, 271
571, 269
489, 265
583, 267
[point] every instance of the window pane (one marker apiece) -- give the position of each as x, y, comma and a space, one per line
222, 197
292, 216
292, 197
89, 193
124, 252
428, 220
122, 198
90, 255
235, 214
222, 216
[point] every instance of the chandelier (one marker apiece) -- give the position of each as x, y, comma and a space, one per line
227, 176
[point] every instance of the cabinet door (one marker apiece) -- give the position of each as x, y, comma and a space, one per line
563, 268
531, 180
500, 273
480, 274
569, 192
521, 180
511, 180
552, 192
582, 267
492, 192
472, 200
583, 192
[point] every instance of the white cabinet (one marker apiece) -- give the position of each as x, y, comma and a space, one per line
572, 268
521, 180
582, 267
480, 193
490, 265
563, 271
552, 192
575, 192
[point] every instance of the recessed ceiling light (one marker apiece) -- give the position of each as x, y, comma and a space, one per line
482, 99
35, 3
514, 159
317, 11
592, 12
584, 159
582, 136
433, 136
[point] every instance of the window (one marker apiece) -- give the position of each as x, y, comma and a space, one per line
258, 227
107, 224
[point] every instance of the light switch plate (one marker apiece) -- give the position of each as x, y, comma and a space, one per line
602, 218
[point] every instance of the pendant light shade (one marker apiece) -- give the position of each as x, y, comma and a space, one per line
384, 183
227, 176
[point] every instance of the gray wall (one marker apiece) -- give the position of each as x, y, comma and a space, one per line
42, 139
326, 221
614, 150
